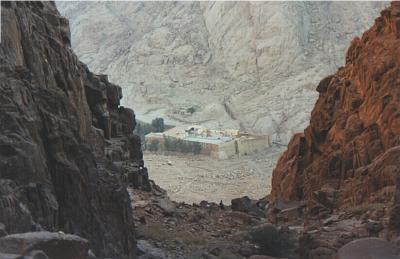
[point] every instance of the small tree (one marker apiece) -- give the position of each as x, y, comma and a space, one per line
167, 143
142, 129
196, 148
153, 146
158, 125
191, 110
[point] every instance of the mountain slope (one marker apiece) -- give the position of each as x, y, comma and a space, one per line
249, 65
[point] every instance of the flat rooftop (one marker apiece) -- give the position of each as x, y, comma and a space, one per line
154, 134
210, 140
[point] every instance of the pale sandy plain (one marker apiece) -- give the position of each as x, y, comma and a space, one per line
191, 178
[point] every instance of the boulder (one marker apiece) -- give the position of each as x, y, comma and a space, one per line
168, 207
245, 204
272, 240
323, 242
53, 245
148, 251
241, 204
371, 248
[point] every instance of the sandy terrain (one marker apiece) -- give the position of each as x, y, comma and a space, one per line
196, 178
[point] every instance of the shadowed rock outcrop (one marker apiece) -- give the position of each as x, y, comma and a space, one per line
349, 154
55, 121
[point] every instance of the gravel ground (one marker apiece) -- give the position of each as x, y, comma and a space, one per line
191, 178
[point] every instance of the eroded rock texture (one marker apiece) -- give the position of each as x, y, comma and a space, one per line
57, 122
173, 58
350, 153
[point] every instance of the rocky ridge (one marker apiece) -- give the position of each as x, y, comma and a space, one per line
61, 129
346, 163
353, 139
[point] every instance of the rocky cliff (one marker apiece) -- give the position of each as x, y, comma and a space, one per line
349, 154
61, 128
249, 65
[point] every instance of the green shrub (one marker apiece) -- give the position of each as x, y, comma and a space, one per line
196, 149
158, 125
143, 128
191, 110
153, 145
179, 145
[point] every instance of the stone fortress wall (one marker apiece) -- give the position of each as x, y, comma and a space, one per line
220, 144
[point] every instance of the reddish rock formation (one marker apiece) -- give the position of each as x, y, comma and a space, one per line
350, 153
55, 119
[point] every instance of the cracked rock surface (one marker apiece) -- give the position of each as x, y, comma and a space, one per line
248, 65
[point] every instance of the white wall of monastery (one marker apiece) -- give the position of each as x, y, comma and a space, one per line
251, 145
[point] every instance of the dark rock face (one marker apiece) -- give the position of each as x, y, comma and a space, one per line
55, 119
349, 154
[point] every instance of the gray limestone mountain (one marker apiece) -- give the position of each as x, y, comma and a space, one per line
248, 65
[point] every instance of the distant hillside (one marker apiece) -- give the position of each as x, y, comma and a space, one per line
248, 65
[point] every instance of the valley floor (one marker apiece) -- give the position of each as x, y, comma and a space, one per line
188, 178
170, 230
